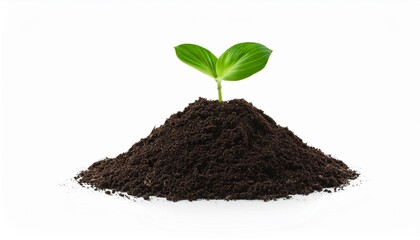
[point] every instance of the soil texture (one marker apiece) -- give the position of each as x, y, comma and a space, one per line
213, 150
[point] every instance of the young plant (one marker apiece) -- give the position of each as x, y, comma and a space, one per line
238, 62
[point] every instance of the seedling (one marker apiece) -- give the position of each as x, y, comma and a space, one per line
238, 62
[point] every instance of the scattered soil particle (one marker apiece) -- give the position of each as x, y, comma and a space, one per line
213, 150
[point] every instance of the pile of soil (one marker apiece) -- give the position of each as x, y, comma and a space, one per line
213, 150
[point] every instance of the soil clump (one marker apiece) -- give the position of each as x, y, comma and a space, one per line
213, 150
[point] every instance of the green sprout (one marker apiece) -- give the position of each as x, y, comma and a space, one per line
238, 62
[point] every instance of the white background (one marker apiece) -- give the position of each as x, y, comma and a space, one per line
84, 80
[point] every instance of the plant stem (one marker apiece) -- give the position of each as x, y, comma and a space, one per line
219, 89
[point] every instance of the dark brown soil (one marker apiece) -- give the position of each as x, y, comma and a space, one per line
219, 151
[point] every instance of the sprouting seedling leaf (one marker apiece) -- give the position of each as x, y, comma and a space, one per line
198, 58
238, 62
242, 60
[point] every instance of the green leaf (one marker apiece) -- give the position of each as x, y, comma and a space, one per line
198, 58
242, 60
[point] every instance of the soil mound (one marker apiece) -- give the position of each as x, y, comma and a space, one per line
219, 151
